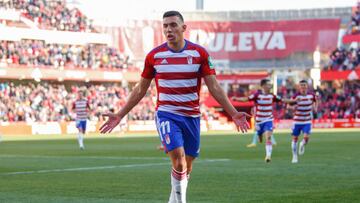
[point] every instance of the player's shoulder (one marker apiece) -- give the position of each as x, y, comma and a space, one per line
157, 49
255, 94
193, 46
296, 95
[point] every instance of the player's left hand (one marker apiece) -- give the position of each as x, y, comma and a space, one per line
240, 121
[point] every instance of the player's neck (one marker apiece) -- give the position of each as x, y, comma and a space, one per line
176, 46
264, 92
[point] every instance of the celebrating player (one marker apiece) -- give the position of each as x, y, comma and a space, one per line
178, 66
81, 107
305, 103
264, 101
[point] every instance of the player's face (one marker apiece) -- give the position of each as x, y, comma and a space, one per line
303, 88
267, 87
173, 29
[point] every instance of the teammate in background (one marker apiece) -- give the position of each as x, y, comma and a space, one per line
81, 107
178, 66
257, 137
305, 103
264, 101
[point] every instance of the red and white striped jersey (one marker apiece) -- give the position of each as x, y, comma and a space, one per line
264, 106
178, 77
81, 107
304, 107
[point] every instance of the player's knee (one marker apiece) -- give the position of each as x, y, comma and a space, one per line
180, 164
295, 139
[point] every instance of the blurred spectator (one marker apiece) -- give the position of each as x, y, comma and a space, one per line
53, 102
354, 27
341, 59
37, 53
53, 14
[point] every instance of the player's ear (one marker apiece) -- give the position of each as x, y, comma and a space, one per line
184, 27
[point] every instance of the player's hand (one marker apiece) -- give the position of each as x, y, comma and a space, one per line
240, 121
111, 123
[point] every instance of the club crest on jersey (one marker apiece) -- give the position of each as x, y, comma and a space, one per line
167, 138
211, 64
189, 59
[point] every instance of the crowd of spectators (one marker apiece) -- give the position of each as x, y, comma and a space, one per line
52, 14
33, 102
336, 100
354, 27
342, 59
53, 102
38, 53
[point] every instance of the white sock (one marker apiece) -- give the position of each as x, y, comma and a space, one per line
179, 183
294, 148
268, 148
80, 139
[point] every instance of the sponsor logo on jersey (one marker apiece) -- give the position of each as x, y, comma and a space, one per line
164, 61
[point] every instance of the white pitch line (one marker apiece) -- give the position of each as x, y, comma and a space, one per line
95, 157
83, 157
102, 167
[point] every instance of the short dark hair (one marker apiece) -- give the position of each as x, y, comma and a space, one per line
173, 13
264, 82
303, 82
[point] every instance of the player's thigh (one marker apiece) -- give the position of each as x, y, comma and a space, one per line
191, 129
306, 129
259, 128
83, 126
268, 129
296, 130
170, 133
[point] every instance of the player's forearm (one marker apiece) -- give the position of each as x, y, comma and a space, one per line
241, 99
289, 101
134, 98
218, 93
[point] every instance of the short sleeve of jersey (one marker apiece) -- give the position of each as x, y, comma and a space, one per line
207, 66
149, 70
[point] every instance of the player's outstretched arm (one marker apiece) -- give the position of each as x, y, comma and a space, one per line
288, 101
135, 96
240, 99
218, 93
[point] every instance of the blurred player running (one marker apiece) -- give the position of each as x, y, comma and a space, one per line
264, 101
81, 107
178, 66
305, 103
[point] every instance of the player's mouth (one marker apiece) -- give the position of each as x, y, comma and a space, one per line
170, 37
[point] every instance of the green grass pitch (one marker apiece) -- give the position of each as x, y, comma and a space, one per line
132, 170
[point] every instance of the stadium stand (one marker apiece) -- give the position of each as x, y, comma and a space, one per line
32, 102
52, 15
342, 59
38, 53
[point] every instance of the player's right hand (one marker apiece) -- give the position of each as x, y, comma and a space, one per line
111, 123
240, 121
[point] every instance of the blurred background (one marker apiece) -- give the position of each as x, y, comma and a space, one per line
50, 50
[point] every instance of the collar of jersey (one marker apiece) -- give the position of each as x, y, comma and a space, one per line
181, 50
